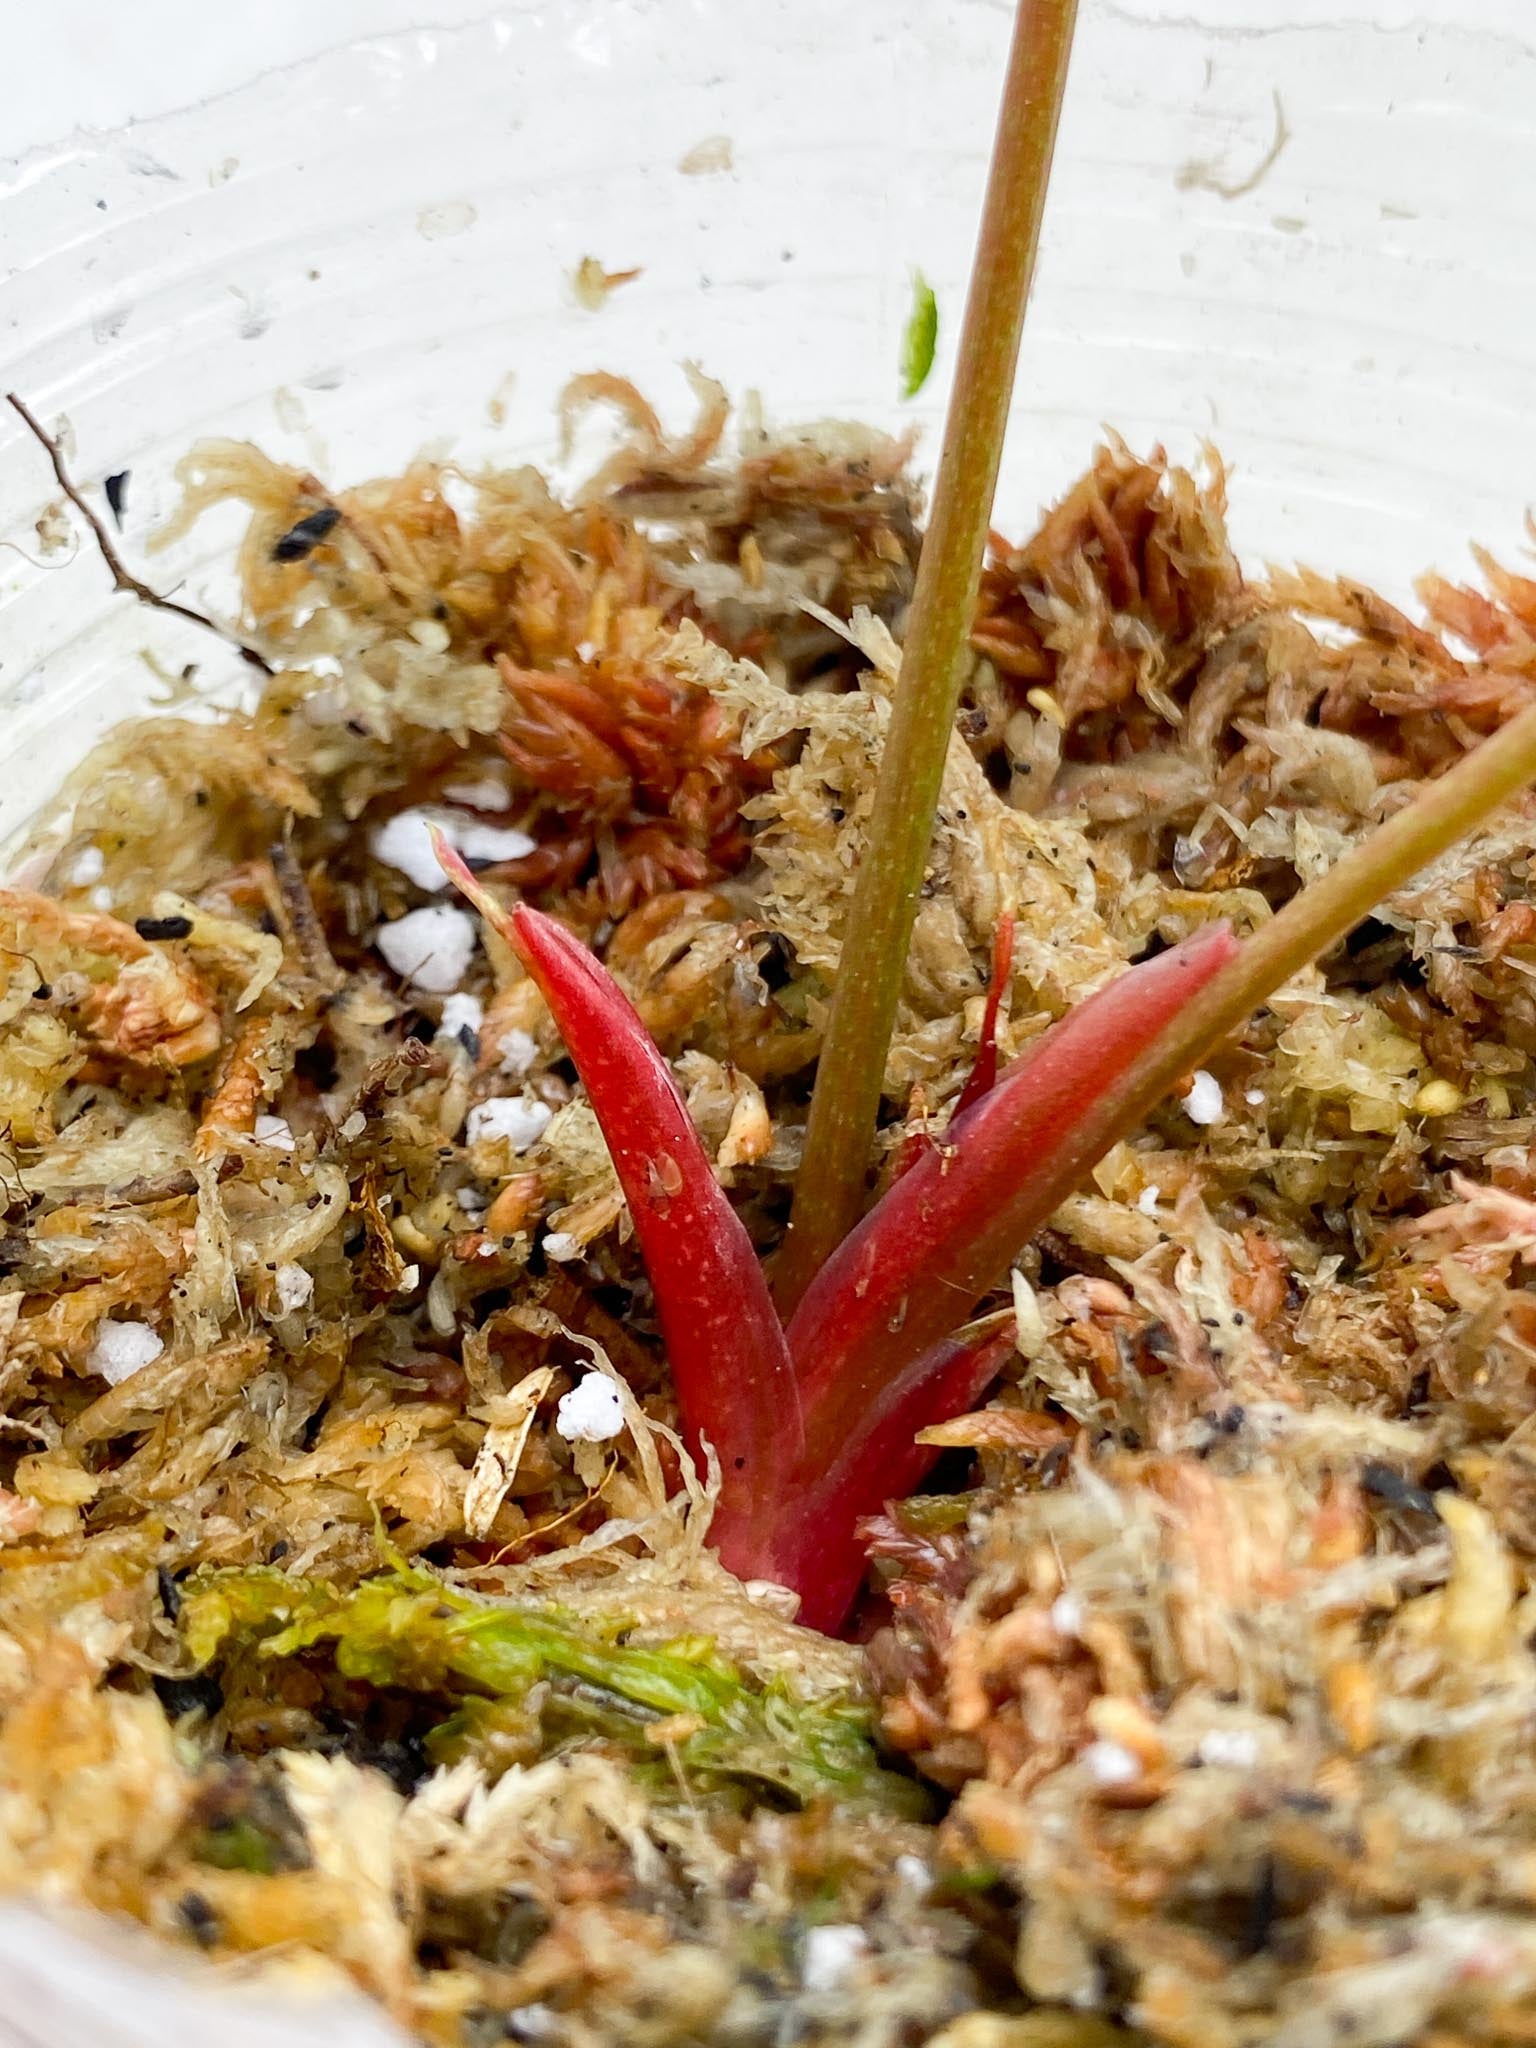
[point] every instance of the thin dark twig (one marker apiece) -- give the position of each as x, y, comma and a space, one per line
303, 920
123, 578
158, 1187
136, 1193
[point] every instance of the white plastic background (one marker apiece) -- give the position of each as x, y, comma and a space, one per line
342, 235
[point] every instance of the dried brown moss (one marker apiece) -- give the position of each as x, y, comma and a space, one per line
1218, 1654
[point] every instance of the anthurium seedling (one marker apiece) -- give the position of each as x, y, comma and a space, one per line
814, 1420
814, 1425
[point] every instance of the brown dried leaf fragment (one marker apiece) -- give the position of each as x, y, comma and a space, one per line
1000, 1429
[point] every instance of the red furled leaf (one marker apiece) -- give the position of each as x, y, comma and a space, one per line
948, 1229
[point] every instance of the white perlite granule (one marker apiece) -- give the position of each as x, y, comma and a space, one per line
404, 842
274, 1131
830, 1955
560, 1244
478, 841
122, 1349
1232, 1749
461, 1012
1111, 1763
517, 1052
1203, 1103
521, 1119
429, 948
592, 1412
488, 795
1067, 1616
294, 1288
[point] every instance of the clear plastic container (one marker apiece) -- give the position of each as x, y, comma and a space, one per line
1306, 239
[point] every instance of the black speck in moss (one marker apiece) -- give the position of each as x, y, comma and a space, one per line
305, 534
199, 1919
163, 927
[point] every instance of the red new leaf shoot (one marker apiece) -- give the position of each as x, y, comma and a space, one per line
730, 1365
947, 1230
983, 1075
